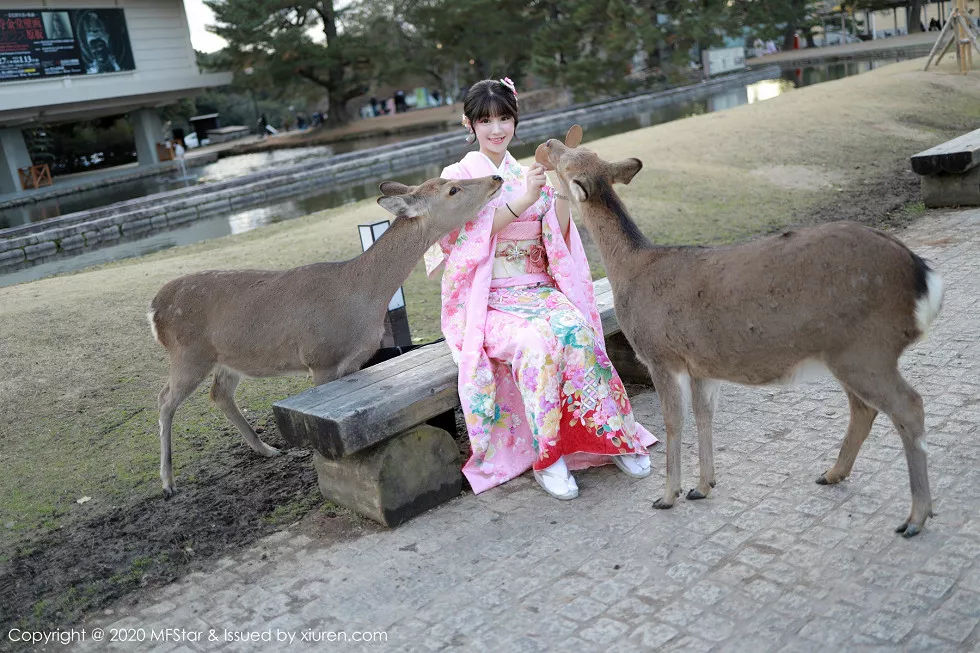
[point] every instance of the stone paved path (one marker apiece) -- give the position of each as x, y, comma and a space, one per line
771, 562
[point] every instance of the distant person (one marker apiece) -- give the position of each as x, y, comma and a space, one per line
375, 107
436, 96
771, 47
263, 123
400, 106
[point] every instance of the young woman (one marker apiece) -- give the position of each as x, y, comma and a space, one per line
519, 315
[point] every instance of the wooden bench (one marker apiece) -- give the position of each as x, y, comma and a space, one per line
383, 438
950, 172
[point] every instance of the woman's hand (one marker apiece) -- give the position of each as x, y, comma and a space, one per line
535, 179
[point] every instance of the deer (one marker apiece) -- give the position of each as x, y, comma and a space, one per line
839, 298
326, 319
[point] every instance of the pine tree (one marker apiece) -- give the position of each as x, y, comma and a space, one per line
309, 40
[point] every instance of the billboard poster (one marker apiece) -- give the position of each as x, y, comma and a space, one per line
35, 44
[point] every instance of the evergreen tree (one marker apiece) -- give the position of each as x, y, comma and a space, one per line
286, 39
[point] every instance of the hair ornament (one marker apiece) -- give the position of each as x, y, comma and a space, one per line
506, 81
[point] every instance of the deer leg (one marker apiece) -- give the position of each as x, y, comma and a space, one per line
704, 398
886, 390
862, 417
672, 405
185, 376
223, 394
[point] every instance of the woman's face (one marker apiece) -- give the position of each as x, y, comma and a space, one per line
494, 134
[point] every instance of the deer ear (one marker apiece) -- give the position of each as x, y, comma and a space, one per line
393, 188
579, 186
624, 171
401, 206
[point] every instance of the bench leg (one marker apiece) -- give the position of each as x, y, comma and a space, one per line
624, 359
397, 479
962, 189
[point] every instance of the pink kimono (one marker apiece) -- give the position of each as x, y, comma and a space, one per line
519, 315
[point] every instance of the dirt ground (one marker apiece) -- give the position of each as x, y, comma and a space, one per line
82, 518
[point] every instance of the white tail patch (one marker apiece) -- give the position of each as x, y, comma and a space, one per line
153, 325
807, 370
927, 307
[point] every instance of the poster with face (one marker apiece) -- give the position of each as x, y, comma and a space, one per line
55, 43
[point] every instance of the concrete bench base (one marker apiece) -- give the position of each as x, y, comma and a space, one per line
952, 189
397, 479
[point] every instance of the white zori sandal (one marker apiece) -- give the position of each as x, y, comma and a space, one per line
557, 481
635, 465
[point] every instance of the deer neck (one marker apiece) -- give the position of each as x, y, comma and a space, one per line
613, 230
388, 262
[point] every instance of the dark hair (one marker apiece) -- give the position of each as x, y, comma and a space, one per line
490, 98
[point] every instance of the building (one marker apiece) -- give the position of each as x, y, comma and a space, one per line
70, 60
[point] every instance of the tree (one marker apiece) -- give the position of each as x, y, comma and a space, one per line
289, 39
590, 46
458, 42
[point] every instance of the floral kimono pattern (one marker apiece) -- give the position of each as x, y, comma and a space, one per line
535, 382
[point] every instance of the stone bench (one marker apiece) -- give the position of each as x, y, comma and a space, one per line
383, 438
950, 172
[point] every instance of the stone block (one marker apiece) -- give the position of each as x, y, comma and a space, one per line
47, 248
136, 226
72, 242
397, 479
12, 257
948, 189
112, 232
209, 208
92, 237
159, 221
179, 216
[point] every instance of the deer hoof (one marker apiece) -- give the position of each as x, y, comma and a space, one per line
169, 492
712, 483
695, 494
270, 452
908, 530
660, 504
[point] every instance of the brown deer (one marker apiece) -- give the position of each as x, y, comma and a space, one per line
839, 297
324, 318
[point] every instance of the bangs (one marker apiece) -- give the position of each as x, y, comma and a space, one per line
492, 106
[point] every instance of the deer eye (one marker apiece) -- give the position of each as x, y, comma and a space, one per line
453, 190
